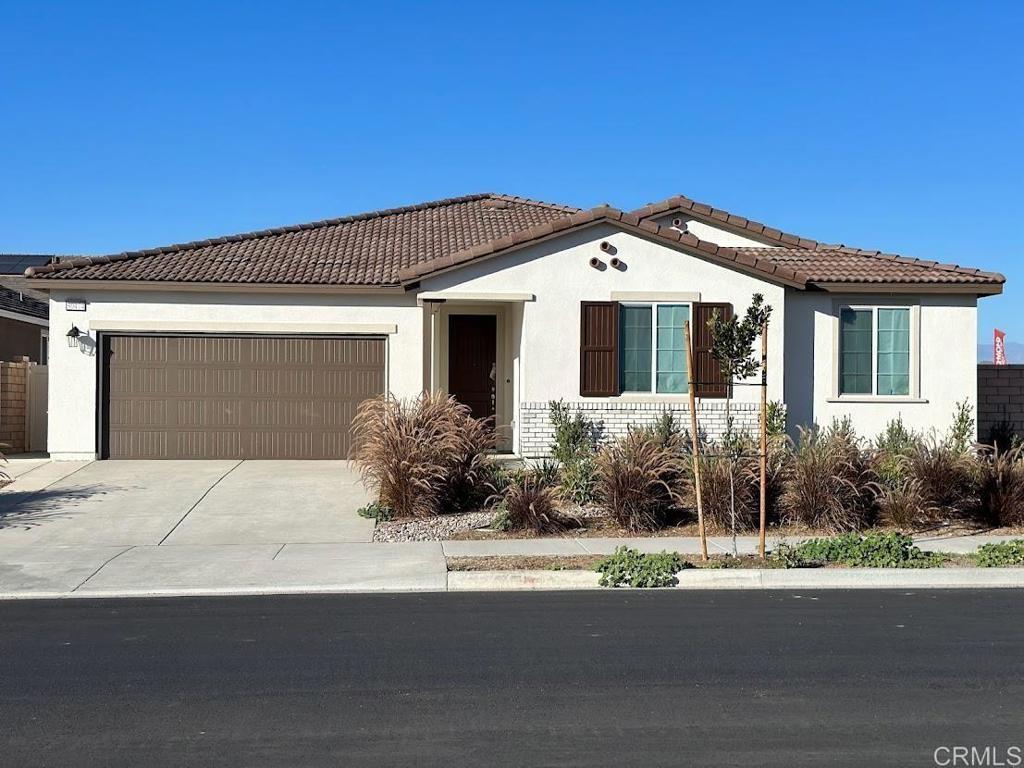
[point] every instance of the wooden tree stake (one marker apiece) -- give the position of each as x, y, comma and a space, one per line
696, 444
764, 438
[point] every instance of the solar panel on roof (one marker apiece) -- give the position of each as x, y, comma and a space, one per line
17, 263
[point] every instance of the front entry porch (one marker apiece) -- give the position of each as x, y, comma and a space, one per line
474, 352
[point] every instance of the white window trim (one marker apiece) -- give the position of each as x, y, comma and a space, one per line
653, 391
914, 393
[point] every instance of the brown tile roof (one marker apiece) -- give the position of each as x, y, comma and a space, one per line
404, 245
751, 263
718, 217
824, 262
840, 264
367, 249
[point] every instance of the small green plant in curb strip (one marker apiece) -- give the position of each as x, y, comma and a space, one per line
631, 568
376, 511
1000, 554
876, 550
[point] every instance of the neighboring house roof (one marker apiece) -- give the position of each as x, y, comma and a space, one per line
401, 246
19, 303
13, 300
368, 249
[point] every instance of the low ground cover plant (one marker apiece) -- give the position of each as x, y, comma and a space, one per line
376, 511
632, 568
1000, 554
875, 550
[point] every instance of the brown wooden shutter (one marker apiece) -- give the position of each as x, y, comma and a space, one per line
599, 348
710, 381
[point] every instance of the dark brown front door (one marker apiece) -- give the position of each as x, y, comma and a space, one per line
472, 373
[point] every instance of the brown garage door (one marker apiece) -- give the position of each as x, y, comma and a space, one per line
227, 397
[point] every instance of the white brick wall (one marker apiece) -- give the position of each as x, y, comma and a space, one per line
614, 419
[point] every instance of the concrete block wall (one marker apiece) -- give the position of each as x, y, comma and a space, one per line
614, 419
1000, 397
13, 406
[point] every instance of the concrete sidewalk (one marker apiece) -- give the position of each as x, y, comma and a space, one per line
96, 571
29, 570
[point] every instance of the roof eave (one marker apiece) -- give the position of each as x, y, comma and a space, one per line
976, 289
82, 284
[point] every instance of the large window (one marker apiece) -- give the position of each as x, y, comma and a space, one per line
874, 351
652, 348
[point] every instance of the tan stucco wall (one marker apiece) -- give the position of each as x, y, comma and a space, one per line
945, 358
559, 275
73, 370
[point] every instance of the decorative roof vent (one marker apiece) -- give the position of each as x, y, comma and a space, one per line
498, 205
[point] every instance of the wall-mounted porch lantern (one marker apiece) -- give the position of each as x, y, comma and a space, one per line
73, 336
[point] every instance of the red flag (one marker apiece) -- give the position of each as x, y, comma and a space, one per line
999, 347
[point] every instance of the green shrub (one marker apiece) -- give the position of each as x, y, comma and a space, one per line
547, 472
667, 432
574, 447
639, 480
631, 568
1002, 486
1000, 554
376, 511
890, 451
961, 435
826, 482
875, 550
422, 456
775, 419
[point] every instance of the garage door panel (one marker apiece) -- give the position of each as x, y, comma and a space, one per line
236, 397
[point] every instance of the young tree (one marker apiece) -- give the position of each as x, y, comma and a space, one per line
732, 345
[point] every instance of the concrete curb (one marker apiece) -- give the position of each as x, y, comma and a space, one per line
502, 581
754, 578
209, 592
518, 581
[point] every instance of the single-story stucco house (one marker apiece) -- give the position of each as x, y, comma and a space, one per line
262, 345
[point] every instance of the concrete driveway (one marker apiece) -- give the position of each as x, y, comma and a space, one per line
139, 503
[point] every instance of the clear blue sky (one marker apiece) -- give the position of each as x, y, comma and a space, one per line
889, 125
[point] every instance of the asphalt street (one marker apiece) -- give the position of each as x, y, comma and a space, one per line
865, 678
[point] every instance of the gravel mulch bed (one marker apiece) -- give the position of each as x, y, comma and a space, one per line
433, 528
475, 526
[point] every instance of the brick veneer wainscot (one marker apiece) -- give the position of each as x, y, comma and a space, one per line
614, 419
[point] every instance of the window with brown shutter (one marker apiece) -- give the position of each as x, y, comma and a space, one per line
599, 348
710, 381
